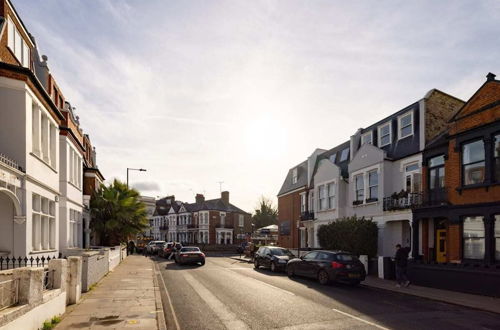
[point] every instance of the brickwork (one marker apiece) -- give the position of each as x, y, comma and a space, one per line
454, 243
289, 210
487, 94
439, 109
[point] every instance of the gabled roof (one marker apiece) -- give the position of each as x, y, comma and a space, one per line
301, 179
486, 97
337, 151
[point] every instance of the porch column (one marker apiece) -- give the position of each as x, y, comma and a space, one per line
414, 251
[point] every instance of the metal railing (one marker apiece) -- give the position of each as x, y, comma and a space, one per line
410, 200
48, 279
12, 262
308, 215
9, 293
8, 161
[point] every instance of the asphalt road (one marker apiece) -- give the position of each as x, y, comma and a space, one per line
230, 294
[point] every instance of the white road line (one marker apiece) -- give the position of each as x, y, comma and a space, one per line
177, 326
227, 317
360, 319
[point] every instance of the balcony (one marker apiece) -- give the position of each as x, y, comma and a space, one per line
308, 215
224, 225
435, 197
9, 162
402, 201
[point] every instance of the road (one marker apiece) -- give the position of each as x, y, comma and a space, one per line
230, 294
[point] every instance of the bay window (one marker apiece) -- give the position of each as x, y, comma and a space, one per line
473, 237
473, 168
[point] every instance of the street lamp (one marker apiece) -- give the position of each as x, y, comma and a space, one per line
134, 169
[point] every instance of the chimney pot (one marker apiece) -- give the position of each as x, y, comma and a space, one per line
490, 76
200, 198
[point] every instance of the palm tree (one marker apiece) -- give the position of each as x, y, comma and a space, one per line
117, 213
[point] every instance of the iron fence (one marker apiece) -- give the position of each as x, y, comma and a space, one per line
9, 293
13, 262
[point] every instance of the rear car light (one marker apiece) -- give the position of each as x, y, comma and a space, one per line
337, 265
184, 255
203, 255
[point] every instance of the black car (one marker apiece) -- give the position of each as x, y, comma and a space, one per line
189, 255
273, 257
328, 266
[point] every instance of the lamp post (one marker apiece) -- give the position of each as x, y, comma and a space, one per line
134, 169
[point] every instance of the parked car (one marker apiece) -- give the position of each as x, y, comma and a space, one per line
273, 257
328, 266
166, 250
154, 246
189, 255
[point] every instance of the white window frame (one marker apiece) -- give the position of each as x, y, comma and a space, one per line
241, 220
342, 153
400, 127
321, 197
14, 37
295, 175
380, 135
371, 186
43, 223
370, 134
331, 197
362, 176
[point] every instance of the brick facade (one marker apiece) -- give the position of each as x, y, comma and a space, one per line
289, 210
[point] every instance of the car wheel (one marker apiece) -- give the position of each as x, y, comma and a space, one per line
290, 272
274, 269
323, 278
202, 262
256, 264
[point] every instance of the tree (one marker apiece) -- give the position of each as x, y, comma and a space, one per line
117, 213
265, 214
352, 234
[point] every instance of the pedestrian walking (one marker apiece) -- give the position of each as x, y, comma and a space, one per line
401, 260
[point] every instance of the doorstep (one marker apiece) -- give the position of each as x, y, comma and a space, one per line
484, 303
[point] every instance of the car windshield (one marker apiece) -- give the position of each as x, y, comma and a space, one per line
346, 257
281, 252
190, 249
160, 243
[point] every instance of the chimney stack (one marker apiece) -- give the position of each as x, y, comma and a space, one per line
490, 76
225, 197
200, 198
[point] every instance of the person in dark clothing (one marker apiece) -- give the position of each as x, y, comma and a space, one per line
401, 260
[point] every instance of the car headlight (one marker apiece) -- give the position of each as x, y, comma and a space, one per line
281, 261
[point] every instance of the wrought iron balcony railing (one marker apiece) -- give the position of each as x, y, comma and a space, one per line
402, 201
307, 215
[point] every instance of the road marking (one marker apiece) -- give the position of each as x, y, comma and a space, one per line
177, 326
360, 319
227, 317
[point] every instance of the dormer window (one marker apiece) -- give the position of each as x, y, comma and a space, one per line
17, 44
344, 155
294, 176
367, 138
333, 158
384, 134
405, 125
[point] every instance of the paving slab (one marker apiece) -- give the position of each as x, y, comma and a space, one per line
128, 297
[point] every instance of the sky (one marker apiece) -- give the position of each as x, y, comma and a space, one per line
201, 92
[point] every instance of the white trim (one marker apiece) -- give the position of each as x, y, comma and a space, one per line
412, 124
421, 107
389, 123
20, 24
292, 191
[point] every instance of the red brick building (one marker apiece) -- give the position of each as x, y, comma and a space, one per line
457, 229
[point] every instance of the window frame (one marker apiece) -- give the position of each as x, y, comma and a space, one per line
479, 237
400, 127
370, 198
370, 133
331, 198
295, 175
346, 155
380, 136
463, 165
356, 189
496, 159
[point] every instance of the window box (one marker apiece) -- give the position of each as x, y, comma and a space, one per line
372, 200
357, 202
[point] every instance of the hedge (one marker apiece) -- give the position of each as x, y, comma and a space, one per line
352, 234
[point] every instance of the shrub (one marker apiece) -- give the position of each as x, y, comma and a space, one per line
352, 234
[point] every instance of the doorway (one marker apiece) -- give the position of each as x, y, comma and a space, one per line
441, 245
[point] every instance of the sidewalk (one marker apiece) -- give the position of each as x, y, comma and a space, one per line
489, 304
127, 297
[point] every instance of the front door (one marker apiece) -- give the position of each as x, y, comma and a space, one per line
441, 245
